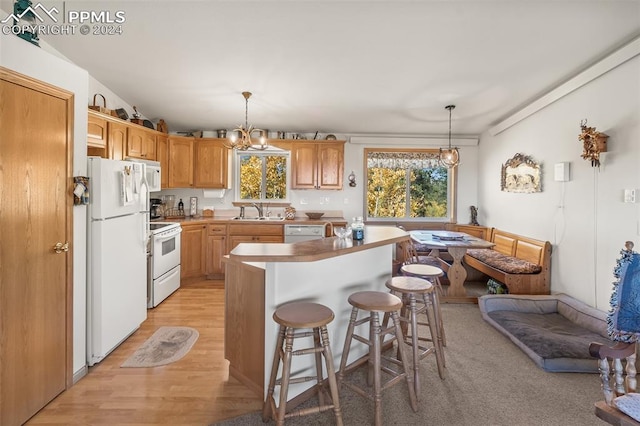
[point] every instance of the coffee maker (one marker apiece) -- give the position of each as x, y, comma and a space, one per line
155, 209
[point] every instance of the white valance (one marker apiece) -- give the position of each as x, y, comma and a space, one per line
403, 160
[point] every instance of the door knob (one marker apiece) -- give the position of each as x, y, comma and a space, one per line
60, 247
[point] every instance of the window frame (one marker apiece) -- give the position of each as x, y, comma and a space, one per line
271, 151
452, 184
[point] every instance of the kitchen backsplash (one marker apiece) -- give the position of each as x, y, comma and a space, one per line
333, 203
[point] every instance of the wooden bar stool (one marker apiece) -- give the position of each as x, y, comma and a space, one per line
431, 274
302, 315
374, 302
412, 288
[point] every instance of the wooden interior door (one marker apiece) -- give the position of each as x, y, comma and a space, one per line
35, 214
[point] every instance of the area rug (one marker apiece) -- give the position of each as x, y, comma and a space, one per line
166, 345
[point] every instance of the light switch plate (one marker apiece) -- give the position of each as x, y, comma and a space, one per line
629, 195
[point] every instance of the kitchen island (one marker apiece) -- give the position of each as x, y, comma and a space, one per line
261, 277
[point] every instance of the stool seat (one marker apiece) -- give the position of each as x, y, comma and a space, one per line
303, 315
408, 284
375, 301
422, 269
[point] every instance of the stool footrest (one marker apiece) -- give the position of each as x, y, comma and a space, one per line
302, 379
310, 410
307, 351
362, 340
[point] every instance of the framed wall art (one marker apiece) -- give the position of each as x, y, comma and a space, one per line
521, 174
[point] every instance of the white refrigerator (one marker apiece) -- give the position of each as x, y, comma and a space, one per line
117, 254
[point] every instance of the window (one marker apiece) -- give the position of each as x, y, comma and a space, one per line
262, 176
408, 184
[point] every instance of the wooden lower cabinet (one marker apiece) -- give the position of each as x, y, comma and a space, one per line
216, 249
245, 233
203, 245
193, 250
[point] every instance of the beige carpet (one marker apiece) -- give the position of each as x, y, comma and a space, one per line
166, 345
489, 382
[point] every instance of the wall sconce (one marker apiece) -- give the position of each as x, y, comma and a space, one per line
593, 143
352, 179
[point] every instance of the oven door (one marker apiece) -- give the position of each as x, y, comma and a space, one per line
166, 252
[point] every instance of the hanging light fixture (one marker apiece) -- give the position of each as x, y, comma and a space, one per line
449, 157
240, 138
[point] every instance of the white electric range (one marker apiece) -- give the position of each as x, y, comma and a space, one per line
163, 266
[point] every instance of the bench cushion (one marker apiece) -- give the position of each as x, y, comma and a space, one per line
508, 264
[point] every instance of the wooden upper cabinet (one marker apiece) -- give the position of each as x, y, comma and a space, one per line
162, 156
317, 165
211, 163
117, 141
141, 143
96, 131
330, 165
180, 162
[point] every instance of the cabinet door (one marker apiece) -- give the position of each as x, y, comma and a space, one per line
149, 145
304, 166
162, 155
117, 140
180, 162
135, 142
193, 251
330, 165
234, 240
96, 131
216, 249
211, 164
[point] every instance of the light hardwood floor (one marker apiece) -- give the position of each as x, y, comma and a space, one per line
195, 390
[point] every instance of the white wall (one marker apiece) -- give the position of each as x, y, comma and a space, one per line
25, 58
589, 232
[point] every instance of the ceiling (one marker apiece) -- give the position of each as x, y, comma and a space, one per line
345, 67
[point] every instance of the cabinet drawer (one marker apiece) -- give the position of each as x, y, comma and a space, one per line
217, 229
251, 229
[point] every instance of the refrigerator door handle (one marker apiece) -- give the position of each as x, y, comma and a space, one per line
145, 216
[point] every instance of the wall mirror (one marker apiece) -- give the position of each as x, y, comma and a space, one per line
521, 174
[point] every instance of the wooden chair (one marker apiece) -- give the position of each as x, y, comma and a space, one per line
617, 362
620, 358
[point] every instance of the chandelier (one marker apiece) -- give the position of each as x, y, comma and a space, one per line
240, 138
449, 157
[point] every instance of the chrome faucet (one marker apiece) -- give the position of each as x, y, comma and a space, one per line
241, 212
258, 207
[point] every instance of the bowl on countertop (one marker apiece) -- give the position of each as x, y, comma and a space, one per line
314, 215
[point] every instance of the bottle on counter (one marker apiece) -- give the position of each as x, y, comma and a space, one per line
357, 229
180, 207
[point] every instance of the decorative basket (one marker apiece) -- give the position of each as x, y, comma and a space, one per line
99, 108
289, 213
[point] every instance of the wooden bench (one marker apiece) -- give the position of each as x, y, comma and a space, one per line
514, 247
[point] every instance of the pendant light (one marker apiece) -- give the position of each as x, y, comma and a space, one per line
449, 157
241, 136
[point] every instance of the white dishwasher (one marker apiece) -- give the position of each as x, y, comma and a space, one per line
295, 233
